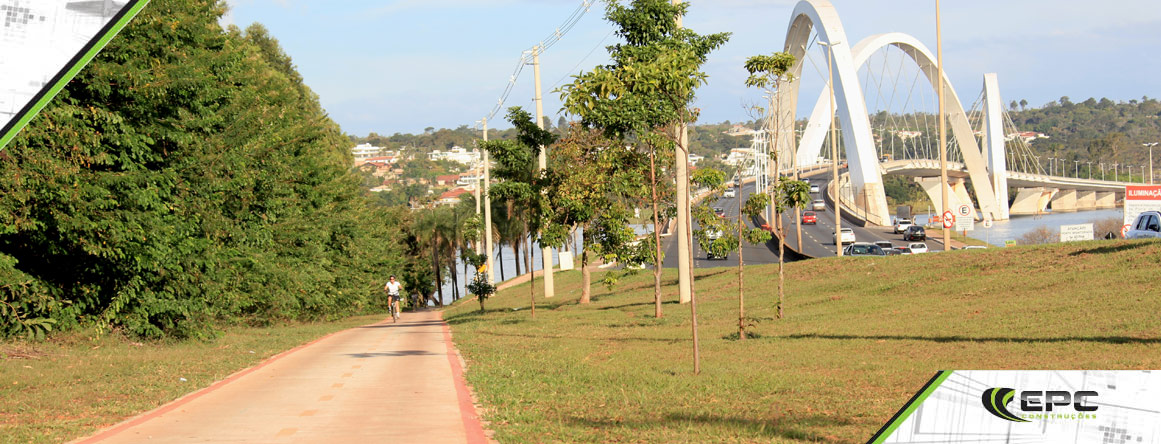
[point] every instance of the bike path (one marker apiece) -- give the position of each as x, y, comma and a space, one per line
386, 382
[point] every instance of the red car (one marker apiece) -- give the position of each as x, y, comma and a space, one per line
808, 218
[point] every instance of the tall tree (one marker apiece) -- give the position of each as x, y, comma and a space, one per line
644, 94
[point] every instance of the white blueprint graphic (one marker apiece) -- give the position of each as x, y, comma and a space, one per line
38, 38
1128, 409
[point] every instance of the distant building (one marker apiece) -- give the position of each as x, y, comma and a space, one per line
695, 158
740, 131
457, 155
446, 180
908, 135
365, 151
451, 197
738, 155
1027, 136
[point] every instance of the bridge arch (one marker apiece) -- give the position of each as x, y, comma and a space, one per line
849, 103
815, 132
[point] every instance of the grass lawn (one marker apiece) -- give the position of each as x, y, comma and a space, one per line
73, 385
860, 336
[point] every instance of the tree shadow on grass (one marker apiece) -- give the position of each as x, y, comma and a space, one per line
698, 277
786, 427
1123, 246
637, 304
944, 339
585, 338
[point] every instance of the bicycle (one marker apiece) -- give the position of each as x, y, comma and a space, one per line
393, 306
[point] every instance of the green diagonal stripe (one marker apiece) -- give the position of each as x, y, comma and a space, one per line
908, 409
69, 71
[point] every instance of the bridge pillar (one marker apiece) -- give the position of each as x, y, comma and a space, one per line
957, 193
1065, 200
1106, 199
1032, 200
1085, 200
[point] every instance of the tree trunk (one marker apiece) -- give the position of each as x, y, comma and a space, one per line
531, 275
516, 254
438, 276
693, 301
500, 253
586, 277
657, 262
781, 257
741, 293
455, 280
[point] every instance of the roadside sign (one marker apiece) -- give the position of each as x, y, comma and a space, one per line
1009, 243
1073, 233
1125, 231
948, 221
987, 223
1141, 198
965, 210
45, 44
965, 224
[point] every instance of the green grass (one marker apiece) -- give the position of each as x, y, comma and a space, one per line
860, 336
74, 385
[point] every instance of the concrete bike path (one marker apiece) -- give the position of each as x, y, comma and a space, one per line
386, 382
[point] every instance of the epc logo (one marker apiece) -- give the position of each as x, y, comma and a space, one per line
1040, 404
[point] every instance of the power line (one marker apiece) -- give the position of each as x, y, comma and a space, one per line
545, 43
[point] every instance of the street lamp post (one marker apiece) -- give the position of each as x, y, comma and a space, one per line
1150, 145
838, 211
1089, 170
1076, 168
943, 188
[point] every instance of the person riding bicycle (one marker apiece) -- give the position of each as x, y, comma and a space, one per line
392, 288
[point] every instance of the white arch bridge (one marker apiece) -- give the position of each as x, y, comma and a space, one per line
987, 158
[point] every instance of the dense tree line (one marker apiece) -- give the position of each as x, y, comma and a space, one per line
185, 179
1093, 130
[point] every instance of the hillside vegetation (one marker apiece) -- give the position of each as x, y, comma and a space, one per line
860, 336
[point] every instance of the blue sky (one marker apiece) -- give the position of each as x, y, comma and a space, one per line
403, 65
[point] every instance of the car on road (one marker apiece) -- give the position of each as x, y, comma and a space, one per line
847, 236
903, 250
901, 225
893, 252
813, 188
818, 205
886, 245
730, 192
975, 247
712, 235
719, 211
917, 247
1147, 225
863, 249
809, 218
915, 233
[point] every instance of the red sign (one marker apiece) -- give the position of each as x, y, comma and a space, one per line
948, 220
1143, 192
1125, 231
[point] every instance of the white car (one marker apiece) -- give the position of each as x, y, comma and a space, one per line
818, 205
730, 192
1146, 226
813, 188
901, 225
917, 247
847, 236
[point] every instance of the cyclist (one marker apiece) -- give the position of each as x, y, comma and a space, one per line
392, 288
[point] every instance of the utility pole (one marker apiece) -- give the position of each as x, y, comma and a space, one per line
942, 132
488, 211
1150, 145
545, 252
684, 229
838, 208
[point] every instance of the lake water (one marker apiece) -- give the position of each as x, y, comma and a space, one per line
1019, 225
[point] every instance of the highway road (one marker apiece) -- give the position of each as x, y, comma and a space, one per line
818, 239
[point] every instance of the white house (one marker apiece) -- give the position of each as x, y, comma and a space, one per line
365, 151
457, 155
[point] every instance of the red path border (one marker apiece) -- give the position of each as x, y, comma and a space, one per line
472, 425
173, 405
